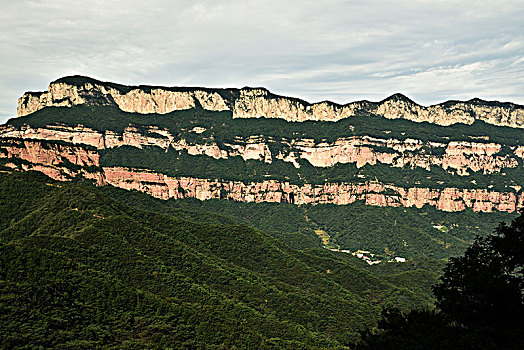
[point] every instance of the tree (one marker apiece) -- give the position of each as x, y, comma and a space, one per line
416, 329
484, 288
479, 300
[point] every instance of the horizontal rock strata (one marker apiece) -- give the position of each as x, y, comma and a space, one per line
65, 152
257, 102
56, 160
461, 157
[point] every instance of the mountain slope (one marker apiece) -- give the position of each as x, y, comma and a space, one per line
80, 270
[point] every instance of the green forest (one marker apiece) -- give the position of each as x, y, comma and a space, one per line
83, 267
479, 301
79, 269
407, 232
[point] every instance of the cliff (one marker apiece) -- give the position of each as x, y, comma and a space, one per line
372, 193
461, 157
221, 147
65, 162
258, 102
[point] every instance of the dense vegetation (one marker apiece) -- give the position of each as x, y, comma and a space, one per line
406, 232
180, 163
480, 301
279, 134
222, 127
285, 222
81, 270
82, 267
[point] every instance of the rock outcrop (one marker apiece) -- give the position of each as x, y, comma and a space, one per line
64, 162
70, 150
257, 102
58, 161
372, 193
459, 157
91, 92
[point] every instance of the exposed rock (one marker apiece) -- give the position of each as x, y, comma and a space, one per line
65, 152
60, 162
154, 100
48, 153
53, 160
460, 157
372, 193
519, 152
256, 103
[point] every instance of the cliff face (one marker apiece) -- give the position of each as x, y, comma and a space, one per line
256, 103
60, 162
452, 112
156, 100
372, 193
65, 148
64, 162
458, 156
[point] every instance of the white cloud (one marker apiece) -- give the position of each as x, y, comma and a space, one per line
316, 50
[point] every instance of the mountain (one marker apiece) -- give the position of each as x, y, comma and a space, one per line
431, 178
152, 217
259, 102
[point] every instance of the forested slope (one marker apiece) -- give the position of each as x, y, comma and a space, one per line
80, 270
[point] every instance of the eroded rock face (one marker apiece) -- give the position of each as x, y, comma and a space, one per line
53, 160
64, 152
458, 157
256, 103
251, 148
156, 100
49, 154
452, 113
60, 162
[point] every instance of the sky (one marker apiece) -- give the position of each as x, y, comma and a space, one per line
334, 50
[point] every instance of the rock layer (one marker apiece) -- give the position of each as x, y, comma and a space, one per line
460, 157
372, 193
65, 152
257, 102
65, 162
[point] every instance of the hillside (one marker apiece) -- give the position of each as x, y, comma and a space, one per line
151, 217
81, 270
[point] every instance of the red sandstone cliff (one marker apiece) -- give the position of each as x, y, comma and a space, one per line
53, 160
460, 157
64, 152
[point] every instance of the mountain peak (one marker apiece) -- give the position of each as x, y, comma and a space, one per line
255, 102
399, 97
75, 80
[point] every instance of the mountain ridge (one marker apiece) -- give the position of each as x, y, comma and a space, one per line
398, 95
251, 102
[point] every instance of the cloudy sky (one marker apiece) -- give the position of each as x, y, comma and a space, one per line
330, 49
